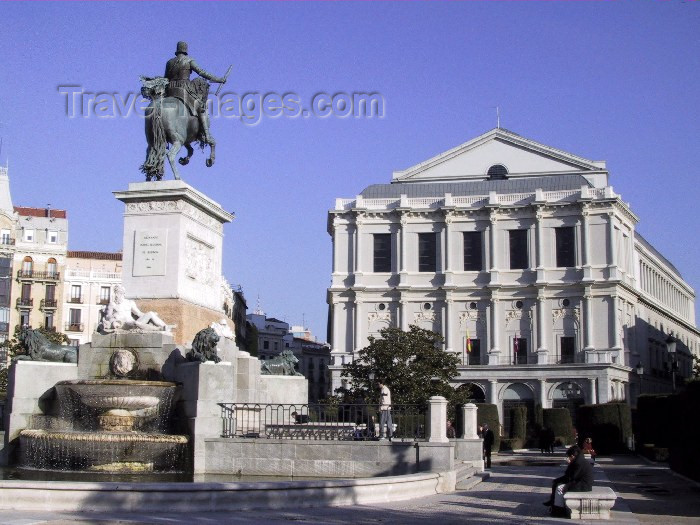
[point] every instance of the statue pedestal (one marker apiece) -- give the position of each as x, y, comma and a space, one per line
173, 237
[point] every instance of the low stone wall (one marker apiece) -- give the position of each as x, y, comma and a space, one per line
346, 459
470, 450
216, 497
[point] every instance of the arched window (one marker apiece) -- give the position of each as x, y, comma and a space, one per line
27, 265
51, 267
497, 172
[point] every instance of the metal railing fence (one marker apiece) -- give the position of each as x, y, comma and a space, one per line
317, 421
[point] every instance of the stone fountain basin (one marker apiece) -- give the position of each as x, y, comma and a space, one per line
125, 394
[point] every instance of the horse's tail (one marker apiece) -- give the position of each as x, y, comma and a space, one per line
155, 159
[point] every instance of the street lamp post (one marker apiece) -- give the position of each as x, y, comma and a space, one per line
671, 348
640, 373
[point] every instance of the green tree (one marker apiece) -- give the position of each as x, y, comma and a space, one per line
14, 348
412, 364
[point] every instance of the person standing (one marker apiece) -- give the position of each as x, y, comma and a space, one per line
488, 444
578, 477
385, 412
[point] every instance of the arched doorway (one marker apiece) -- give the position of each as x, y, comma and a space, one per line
568, 395
516, 395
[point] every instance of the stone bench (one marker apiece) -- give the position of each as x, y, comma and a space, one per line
593, 505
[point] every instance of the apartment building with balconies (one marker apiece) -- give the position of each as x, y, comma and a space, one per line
88, 283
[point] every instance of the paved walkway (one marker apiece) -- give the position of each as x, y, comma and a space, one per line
513, 494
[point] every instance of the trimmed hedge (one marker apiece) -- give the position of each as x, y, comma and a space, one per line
488, 413
652, 417
558, 420
609, 425
511, 444
683, 425
518, 429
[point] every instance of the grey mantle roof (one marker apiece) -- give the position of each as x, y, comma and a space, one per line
476, 187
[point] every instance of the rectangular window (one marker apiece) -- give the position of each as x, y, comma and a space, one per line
104, 294
26, 291
75, 293
48, 321
52, 237
472, 252
24, 319
475, 354
266, 345
74, 316
5, 285
28, 236
565, 244
5, 237
50, 292
427, 252
517, 240
4, 320
382, 252
519, 351
568, 349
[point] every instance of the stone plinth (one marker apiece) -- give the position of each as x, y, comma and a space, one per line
30, 391
172, 250
437, 420
203, 386
155, 354
593, 505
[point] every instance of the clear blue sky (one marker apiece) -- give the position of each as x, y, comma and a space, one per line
615, 81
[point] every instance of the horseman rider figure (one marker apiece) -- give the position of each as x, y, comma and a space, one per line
177, 71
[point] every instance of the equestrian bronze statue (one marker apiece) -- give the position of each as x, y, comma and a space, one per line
177, 114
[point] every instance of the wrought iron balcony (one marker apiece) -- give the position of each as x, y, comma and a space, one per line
38, 276
102, 300
75, 300
25, 302
74, 327
48, 304
9, 241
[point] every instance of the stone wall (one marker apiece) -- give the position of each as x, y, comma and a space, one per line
330, 459
189, 318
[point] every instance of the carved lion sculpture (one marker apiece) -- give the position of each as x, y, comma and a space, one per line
282, 365
204, 347
39, 348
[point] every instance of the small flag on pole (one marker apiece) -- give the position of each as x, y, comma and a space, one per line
469, 343
515, 349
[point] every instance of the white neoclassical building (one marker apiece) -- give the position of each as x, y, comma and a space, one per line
524, 254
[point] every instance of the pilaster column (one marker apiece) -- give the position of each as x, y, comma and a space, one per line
592, 396
358, 245
494, 331
358, 322
617, 340
447, 268
403, 242
404, 314
585, 244
539, 249
447, 323
493, 261
612, 247
542, 357
543, 393
493, 391
587, 320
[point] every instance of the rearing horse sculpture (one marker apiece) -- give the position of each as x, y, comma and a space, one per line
168, 121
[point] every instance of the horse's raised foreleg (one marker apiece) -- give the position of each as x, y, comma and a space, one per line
172, 153
185, 160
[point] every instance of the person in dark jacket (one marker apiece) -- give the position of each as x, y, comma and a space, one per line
488, 444
578, 477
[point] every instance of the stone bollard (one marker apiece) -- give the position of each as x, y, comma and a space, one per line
468, 430
437, 420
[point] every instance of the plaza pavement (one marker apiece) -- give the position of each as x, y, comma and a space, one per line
518, 484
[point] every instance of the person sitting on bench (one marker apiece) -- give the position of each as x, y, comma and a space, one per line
578, 477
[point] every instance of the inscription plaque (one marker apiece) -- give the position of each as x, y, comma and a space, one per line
149, 252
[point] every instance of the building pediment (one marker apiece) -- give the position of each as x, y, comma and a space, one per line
520, 157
